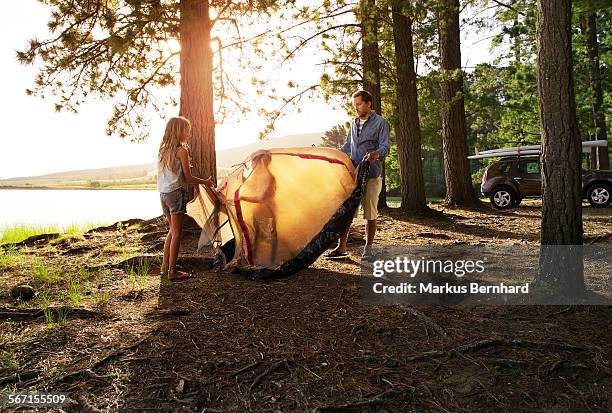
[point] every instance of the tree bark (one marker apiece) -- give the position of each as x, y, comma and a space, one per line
599, 122
196, 102
459, 190
408, 128
561, 269
370, 56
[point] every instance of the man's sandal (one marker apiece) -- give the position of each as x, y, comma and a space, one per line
336, 254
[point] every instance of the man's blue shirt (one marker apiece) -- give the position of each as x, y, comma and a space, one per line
374, 136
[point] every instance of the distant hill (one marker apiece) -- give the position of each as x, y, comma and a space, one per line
228, 157
225, 159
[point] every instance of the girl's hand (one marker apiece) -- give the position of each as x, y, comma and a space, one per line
209, 182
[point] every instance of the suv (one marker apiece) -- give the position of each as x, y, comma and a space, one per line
509, 180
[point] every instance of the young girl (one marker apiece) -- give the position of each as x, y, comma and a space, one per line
173, 178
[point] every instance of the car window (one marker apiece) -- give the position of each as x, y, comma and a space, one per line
504, 167
533, 168
529, 167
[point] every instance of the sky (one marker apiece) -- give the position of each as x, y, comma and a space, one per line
37, 140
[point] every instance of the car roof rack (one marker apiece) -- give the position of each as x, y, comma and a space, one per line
529, 150
513, 158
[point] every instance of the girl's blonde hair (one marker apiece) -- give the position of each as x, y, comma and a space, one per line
177, 130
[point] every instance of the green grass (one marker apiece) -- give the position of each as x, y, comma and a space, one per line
10, 257
395, 201
139, 275
20, 231
8, 362
75, 292
45, 273
43, 301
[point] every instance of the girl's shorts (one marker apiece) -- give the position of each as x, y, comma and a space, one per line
174, 202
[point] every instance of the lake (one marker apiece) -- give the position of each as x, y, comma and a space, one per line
65, 207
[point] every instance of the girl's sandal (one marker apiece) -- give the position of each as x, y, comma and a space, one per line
177, 267
181, 275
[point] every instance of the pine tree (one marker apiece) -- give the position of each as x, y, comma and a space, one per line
122, 50
561, 236
459, 191
408, 129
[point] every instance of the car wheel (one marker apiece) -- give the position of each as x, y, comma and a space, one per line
599, 195
503, 198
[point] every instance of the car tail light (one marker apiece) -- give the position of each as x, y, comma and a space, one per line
484, 177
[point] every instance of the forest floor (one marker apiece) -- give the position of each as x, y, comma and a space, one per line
108, 331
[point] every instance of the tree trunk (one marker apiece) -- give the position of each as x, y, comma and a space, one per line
408, 128
561, 269
599, 121
196, 84
459, 191
370, 53
370, 56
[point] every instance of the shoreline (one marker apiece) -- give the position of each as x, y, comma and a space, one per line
80, 188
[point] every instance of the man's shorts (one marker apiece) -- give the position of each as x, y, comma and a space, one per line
369, 201
174, 202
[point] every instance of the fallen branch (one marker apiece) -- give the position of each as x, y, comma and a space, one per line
24, 313
271, 369
348, 407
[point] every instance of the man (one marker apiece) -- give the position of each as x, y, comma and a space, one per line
368, 139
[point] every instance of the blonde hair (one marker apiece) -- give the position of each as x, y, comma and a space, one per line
177, 131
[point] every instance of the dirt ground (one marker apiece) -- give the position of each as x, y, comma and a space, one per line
220, 343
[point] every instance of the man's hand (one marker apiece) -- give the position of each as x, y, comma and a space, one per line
372, 156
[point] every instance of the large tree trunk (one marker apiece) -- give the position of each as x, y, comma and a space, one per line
561, 268
599, 122
408, 127
459, 191
370, 56
196, 84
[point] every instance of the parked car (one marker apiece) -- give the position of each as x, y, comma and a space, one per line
509, 180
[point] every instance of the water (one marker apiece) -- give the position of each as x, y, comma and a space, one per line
66, 207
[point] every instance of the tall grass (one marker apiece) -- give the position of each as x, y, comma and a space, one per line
20, 231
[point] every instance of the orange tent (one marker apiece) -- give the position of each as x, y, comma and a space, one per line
276, 212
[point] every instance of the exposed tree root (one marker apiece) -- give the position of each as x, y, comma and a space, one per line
426, 319
271, 369
470, 347
25, 313
358, 405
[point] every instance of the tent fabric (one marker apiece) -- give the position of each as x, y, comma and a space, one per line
277, 211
